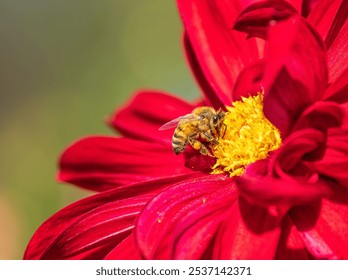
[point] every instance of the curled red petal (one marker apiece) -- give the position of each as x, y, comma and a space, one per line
295, 72
334, 162
248, 232
321, 115
292, 179
180, 222
220, 51
146, 113
279, 192
100, 163
305, 145
256, 19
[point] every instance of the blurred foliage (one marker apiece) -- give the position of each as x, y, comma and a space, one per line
65, 67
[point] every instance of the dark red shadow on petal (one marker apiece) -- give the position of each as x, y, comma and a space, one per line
249, 81
247, 232
321, 115
314, 230
295, 72
334, 163
331, 225
198, 162
308, 6
252, 216
142, 117
290, 246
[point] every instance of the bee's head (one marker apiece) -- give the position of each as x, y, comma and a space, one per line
218, 118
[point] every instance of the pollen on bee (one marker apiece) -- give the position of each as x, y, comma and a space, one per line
249, 137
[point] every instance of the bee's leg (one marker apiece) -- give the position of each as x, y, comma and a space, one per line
225, 128
210, 138
197, 145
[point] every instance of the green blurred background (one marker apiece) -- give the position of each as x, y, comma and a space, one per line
65, 66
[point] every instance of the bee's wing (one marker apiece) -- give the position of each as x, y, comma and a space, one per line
175, 122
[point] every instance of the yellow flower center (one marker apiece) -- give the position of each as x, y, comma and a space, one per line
248, 136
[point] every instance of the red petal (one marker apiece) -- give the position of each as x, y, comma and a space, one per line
291, 179
249, 81
248, 232
180, 222
282, 194
338, 53
209, 93
295, 73
321, 116
220, 51
333, 220
290, 245
339, 20
51, 229
337, 91
102, 163
305, 145
126, 250
328, 17
332, 223
146, 113
93, 235
323, 15
334, 163
324, 228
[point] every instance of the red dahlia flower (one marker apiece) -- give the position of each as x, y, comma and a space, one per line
276, 186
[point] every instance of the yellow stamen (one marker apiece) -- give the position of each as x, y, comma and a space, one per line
249, 137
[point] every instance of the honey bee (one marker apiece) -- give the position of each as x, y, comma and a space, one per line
203, 124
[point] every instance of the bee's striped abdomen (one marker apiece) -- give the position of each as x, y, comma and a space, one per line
179, 141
